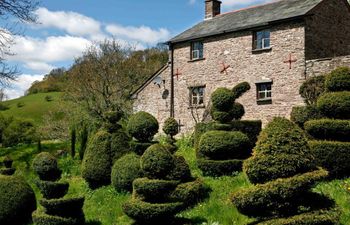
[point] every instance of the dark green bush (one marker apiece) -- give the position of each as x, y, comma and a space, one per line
157, 162
171, 127
301, 114
3, 107
335, 105
333, 156
221, 116
312, 88
40, 218
120, 144
140, 147
97, 162
191, 193
240, 89
171, 147
223, 145
45, 165
181, 170
84, 136
19, 131
338, 80
8, 161
7, 171
52, 190
222, 99
142, 126
17, 201
113, 117
328, 129
67, 208
237, 111
216, 168
154, 191
125, 170
281, 143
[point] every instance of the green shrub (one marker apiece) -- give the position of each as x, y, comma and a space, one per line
8, 161
170, 146
312, 88
40, 218
157, 162
240, 89
237, 111
3, 107
48, 98
125, 170
154, 191
335, 105
17, 200
120, 144
45, 165
338, 80
181, 170
328, 129
221, 145
171, 127
73, 140
113, 117
7, 171
67, 208
301, 114
191, 193
142, 126
19, 131
52, 190
222, 99
281, 152
97, 162
84, 135
217, 168
333, 156
221, 116
140, 147
20, 104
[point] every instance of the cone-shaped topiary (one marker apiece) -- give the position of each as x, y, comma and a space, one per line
142, 126
17, 200
45, 166
97, 162
166, 189
58, 210
332, 134
284, 173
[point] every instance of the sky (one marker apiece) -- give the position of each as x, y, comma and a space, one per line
66, 28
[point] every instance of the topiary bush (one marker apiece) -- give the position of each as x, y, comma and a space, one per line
240, 89
97, 162
142, 126
338, 80
45, 166
329, 129
302, 114
284, 174
17, 200
120, 144
312, 89
222, 99
8, 170
171, 127
125, 170
335, 105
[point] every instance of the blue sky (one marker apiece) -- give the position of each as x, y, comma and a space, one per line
67, 27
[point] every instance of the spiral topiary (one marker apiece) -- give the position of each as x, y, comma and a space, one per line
284, 174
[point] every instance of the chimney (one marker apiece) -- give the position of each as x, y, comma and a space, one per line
212, 8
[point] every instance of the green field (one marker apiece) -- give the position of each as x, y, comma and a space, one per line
32, 106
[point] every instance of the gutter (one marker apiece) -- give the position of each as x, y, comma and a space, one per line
172, 106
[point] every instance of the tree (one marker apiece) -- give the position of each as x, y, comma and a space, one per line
22, 11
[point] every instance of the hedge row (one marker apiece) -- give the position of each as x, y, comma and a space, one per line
328, 129
302, 114
335, 105
215, 168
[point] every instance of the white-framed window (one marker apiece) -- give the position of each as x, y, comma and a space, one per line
264, 91
196, 50
261, 39
197, 96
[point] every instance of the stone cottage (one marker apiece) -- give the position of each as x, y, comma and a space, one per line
274, 47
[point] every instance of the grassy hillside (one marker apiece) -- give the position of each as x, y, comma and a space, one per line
32, 106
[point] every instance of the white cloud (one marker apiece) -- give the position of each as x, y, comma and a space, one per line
191, 2
18, 87
142, 34
41, 67
71, 22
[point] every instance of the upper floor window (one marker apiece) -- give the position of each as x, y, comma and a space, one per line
197, 96
261, 39
196, 50
264, 91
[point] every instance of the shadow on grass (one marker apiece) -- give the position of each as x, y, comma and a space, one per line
93, 222
178, 221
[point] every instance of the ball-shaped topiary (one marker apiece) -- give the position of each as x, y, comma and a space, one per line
335, 105
125, 170
142, 126
17, 200
45, 165
222, 99
157, 162
171, 127
97, 162
338, 80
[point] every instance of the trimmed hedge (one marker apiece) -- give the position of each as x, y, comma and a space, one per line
328, 129
67, 208
302, 114
7, 171
140, 147
221, 116
157, 162
338, 80
8, 162
335, 105
17, 200
191, 193
237, 111
224, 145
216, 168
312, 89
96, 165
40, 218
333, 156
120, 144
125, 170
45, 165
142, 126
154, 191
52, 190
181, 170
222, 99
171, 127
240, 89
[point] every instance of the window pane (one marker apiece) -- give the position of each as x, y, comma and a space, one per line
261, 95
268, 94
201, 100
194, 100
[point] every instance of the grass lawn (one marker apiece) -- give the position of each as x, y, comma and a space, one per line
104, 206
32, 106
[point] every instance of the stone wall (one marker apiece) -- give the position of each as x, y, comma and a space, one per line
318, 67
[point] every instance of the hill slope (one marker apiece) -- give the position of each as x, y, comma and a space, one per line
32, 106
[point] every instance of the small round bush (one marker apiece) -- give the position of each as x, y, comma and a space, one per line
222, 99
17, 200
171, 127
45, 165
338, 80
125, 170
312, 89
223, 145
142, 126
157, 162
240, 89
335, 105
301, 114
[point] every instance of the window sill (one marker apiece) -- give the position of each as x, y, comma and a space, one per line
265, 101
196, 60
262, 50
196, 107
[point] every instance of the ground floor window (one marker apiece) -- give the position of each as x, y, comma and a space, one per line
264, 91
197, 96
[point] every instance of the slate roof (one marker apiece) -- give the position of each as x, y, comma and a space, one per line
248, 18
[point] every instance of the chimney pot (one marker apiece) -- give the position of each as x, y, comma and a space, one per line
212, 8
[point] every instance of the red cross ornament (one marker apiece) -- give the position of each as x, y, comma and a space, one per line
177, 74
224, 68
290, 61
